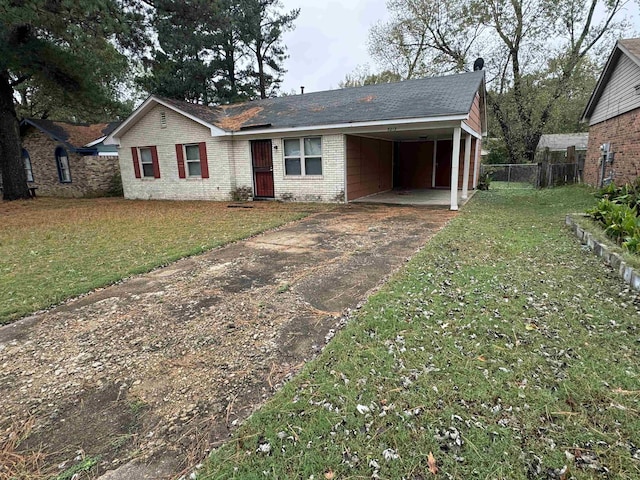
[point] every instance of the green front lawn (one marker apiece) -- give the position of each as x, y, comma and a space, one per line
504, 349
52, 249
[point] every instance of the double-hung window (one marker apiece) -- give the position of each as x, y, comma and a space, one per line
303, 156
192, 160
146, 161
62, 162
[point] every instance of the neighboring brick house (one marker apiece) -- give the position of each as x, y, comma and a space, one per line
331, 146
68, 160
613, 113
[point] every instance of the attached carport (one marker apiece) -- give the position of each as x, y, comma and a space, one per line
442, 154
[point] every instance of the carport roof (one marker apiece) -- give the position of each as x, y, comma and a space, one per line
433, 98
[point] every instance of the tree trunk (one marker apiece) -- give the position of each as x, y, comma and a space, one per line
14, 177
261, 79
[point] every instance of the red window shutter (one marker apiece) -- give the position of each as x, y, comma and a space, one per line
180, 157
154, 159
204, 164
136, 162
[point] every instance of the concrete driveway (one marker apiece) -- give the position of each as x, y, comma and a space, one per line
152, 373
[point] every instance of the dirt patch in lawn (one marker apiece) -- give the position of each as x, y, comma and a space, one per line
163, 367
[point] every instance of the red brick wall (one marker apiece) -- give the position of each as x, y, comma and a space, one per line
623, 133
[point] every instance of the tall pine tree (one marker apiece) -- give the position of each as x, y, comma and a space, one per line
62, 47
227, 51
262, 28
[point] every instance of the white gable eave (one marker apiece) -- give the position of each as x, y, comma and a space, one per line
356, 127
144, 109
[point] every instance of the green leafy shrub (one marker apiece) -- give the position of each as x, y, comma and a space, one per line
484, 180
617, 211
115, 186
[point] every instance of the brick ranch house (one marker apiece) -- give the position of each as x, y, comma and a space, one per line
613, 113
68, 160
332, 146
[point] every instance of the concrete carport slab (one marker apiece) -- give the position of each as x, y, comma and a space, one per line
150, 374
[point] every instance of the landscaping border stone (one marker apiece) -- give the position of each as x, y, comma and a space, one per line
613, 259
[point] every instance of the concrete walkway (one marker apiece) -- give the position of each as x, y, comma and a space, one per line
150, 374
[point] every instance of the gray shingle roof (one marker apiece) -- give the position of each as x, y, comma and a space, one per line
561, 141
419, 98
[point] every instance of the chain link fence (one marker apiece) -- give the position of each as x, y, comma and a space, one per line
532, 175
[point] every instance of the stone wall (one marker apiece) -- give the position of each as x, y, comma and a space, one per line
90, 175
623, 133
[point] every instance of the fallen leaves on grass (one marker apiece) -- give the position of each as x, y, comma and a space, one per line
431, 461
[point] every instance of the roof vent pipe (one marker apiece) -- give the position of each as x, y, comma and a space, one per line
302, 90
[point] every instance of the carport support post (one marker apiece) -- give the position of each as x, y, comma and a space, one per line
467, 165
455, 168
476, 164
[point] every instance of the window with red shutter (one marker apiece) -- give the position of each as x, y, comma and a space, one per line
204, 164
180, 158
136, 162
156, 164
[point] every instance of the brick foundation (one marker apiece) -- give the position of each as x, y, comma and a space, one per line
623, 133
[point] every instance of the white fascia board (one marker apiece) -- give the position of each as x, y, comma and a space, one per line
631, 56
352, 127
470, 130
147, 105
95, 142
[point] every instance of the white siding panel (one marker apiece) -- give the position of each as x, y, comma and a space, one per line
619, 95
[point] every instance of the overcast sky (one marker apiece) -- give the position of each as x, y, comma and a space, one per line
329, 41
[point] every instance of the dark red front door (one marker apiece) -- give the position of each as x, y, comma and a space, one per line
262, 168
443, 163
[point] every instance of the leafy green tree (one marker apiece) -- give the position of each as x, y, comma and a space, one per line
262, 27
216, 52
536, 54
181, 65
33, 100
61, 47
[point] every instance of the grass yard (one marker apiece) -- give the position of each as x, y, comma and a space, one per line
52, 249
503, 349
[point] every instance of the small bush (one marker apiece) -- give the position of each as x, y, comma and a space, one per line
287, 197
241, 194
484, 181
115, 186
617, 211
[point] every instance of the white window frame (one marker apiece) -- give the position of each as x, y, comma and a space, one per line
62, 163
28, 167
187, 161
302, 157
143, 163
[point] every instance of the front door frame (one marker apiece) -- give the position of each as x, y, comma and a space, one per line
263, 185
